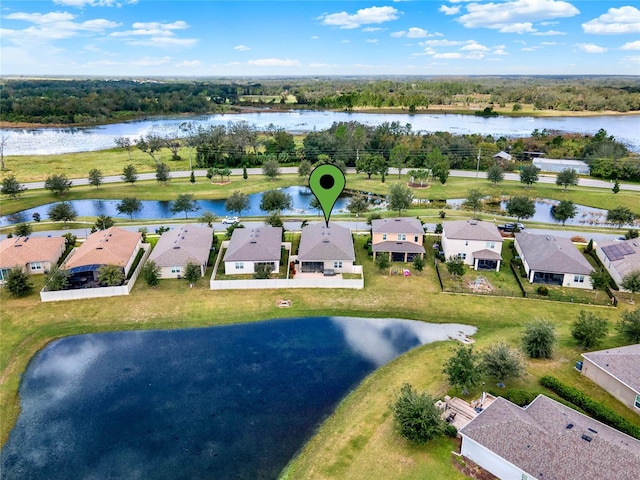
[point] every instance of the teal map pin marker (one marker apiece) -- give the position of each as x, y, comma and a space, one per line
327, 182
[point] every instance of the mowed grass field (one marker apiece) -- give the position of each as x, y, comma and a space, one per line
358, 440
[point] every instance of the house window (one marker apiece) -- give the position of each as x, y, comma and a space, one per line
462, 256
35, 266
416, 239
491, 245
578, 278
637, 403
239, 265
384, 236
175, 269
402, 236
337, 264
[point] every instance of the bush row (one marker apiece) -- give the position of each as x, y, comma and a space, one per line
593, 408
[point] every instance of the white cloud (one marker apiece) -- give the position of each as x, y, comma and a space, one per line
372, 29
547, 44
548, 24
549, 33
591, 48
274, 62
441, 43
415, 32
315, 37
475, 47
448, 55
499, 51
158, 34
164, 42
151, 61
242, 48
449, 10
364, 16
631, 59
631, 45
515, 16
94, 3
189, 64
616, 20
372, 40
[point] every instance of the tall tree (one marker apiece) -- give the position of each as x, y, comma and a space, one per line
56, 279
111, 275
495, 174
398, 157
358, 204
11, 187
57, 184
463, 368
304, 170
400, 197
103, 222
631, 281
629, 325
521, 207
124, 142
237, 202
415, 416
163, 173
95, 177
129, 174
276, 201
185, 203
502, 362
208, 218
129, 206
539, 339
62, 212
620, 216
474, 200
191, 273
151, 273
567, 178
589, 329
371, 164
564, 211
151, 145
271, 168
22, 230
529, 175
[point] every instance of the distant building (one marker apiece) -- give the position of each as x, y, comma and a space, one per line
32, 254
180, 245
547, 441
252, 247
503, 157
617, 370
556, 166
620, 258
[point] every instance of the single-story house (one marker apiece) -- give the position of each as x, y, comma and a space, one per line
477, 243
620, 258
553, 260
400, 238
326, 249
547, 440
32, 254
250, 247
181, 245
617, 370
502, 157
556, 165
113, 246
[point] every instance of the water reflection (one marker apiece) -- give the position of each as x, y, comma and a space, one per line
223, 402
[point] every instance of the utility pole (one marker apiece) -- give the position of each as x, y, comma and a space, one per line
478, 164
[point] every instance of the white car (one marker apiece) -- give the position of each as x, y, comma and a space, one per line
230, 220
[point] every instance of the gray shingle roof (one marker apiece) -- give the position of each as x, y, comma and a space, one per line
260, 244
400, 247
548, 253
181, 244
319, 243
622, 363
629, 261
397, 225
472, 230
486, 254
537, 440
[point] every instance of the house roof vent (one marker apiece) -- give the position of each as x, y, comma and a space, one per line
569, 426
586, 437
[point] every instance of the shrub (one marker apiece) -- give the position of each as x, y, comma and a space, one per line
451, 431
539, 339
415, 416
542, 290
589, 329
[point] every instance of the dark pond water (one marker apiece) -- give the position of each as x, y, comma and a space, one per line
232, 402
162, 209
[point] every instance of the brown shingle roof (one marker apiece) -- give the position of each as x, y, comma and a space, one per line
397, 225
548, 253
319, 243
113, 246
539, 441
181, 244
17, 252
260, 244
622, 363
472, 230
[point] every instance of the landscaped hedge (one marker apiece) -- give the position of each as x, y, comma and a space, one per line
590, 406
522, 398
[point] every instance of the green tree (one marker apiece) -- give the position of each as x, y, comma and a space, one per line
400, 197
620, 216
564, 211
502, 362
231, 228
463, 368
521, 207
398, 157
567, 178
129, 174
629, 325
151, 145
69, 240
371, 164
62, 212
616, 187
245, 175
22, 230
474, 200
455, 266
416, 417
271, 168
421, 174
539, 339
276, 201
125, 143
184, 203
57, 184
358, 204
304, 170
274, 220
17, 282
631, 281
262, 271
529, 175
56, 279
599, 279
237, 202
191, 273
192, 177
151, 273
11, 187
419, 263
208, 218
95, 177
163, 173
110, 275
589, 330
382, 261
103, 222
129, 206
495, 174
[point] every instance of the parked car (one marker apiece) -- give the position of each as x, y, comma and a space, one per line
230, 220
511, 227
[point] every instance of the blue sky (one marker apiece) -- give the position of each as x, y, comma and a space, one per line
258, 38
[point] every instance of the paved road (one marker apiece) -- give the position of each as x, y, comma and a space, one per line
543, 178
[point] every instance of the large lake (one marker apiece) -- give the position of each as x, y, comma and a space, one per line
45, 141
231, 402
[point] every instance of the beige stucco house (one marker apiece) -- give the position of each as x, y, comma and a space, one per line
477, 243
33, 254
326, 249
250, 247
620, 258
400, 238
181, 245
617, 370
